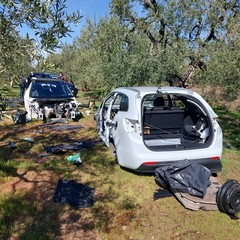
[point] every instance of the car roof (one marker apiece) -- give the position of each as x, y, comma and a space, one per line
149, 89
45, 75
145, 90
46, 80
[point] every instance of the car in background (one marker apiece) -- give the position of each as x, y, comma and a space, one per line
50, 98
149, 127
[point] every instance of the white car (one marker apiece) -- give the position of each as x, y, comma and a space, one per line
50, 98
149, 127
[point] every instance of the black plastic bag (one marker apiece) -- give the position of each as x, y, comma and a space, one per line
184, 176
20, 117
75, 194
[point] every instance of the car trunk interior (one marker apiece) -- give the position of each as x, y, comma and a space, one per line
175, 122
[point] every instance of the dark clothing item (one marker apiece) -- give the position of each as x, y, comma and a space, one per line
23, 86
75, 194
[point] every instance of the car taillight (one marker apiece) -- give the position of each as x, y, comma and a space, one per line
150, 163
214, 158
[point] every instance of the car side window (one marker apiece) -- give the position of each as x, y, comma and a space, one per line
124, 103
106, 106
120, 104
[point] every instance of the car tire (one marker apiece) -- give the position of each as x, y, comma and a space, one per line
228, 197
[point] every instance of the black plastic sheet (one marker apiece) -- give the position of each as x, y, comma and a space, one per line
77, 195
184, 176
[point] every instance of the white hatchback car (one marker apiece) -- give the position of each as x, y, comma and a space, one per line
149, 127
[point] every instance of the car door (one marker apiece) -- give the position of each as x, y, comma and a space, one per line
104, 118
118, 117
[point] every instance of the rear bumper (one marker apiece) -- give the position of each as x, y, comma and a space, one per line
213, 165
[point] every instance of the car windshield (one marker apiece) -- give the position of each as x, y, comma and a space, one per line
50, 90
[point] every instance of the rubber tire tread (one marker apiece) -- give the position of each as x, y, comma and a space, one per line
226, 195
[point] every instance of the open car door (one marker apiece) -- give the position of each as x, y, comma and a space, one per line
104, 119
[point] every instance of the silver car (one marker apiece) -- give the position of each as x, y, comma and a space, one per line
149, 127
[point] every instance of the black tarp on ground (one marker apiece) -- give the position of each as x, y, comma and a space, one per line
185, 177
63, 148
77, 195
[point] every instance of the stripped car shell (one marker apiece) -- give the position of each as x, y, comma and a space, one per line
144, 137
50, 98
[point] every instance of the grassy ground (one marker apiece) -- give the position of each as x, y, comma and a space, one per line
123, 201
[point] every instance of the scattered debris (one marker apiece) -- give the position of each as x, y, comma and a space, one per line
77, 195
68, 127
31, 140
193, 185
20, 117
75, 159
12, 145
54, 149
162, 193
63, 148
184, 176
57, 120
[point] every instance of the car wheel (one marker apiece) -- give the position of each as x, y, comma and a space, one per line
228, 197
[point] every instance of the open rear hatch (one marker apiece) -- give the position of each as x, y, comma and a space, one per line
175, 122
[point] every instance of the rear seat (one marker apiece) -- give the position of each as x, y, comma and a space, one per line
164, 121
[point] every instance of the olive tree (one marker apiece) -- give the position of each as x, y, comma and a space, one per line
47, 19
198, 23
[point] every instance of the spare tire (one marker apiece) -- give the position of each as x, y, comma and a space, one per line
228, 197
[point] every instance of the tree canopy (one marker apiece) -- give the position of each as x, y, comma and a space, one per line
154, 42
49, 21
147, 42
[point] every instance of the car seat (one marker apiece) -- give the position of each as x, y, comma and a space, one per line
158, 103
194, 124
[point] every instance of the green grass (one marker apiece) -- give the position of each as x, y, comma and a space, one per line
230, 123
123, 208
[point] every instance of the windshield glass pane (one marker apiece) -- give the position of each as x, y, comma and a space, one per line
50, 90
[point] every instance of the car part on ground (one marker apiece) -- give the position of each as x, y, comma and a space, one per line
150, 127
50, 98
228, 197
20, 117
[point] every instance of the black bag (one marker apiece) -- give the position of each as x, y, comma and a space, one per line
20, 117
184, 176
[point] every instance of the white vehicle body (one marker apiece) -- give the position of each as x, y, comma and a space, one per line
144, 137
49, 98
